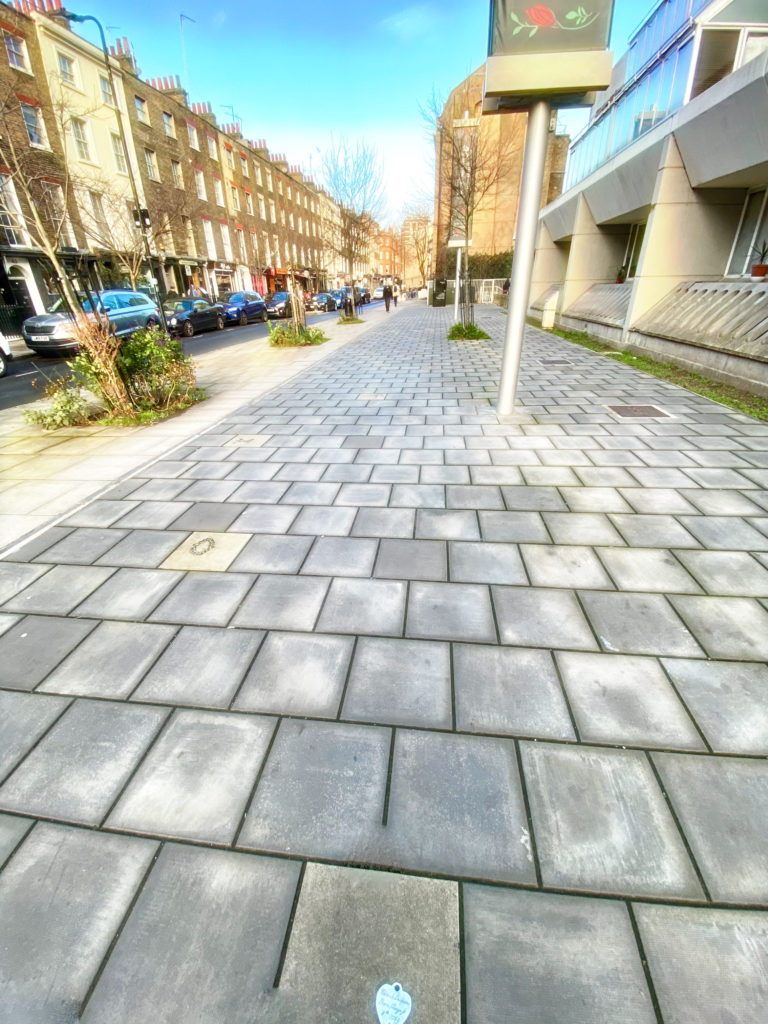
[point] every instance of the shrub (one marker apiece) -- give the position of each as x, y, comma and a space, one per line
285, 335
68, 408
464, 332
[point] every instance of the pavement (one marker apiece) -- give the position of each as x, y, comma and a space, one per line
364, 686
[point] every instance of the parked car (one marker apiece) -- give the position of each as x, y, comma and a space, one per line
325, 301
53, 332
243, 307
365, 294
5, 354
279, 305
379, 292
338, 295
310, 302
347, 294
185, 316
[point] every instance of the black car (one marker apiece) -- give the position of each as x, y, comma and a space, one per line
326, 302
185, 316
243, 307
279, 305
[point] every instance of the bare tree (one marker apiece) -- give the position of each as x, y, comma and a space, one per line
469, 165
353, 177
417, 238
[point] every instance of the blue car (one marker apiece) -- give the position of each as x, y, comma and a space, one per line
243, 308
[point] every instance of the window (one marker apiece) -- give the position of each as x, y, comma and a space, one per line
289, 193
301, 226
257, 173
235, 197
752, 231
151, 159
106, 90
240, 245
275, 249
262, 208
66, 69
16, 49
80, 139
176, 174
33, 119
193, 139
291, 222
282, 217
169, 125
269, 180
142, 110
226, 241
218, 191
210, 244
97, 212
200, 184
189, 235
118, 152
272, 217
266, 251
11, 221
249, 203
213, 152
280, 185
243, 166
55, 210
230, 159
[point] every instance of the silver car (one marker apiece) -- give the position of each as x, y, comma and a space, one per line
53, 332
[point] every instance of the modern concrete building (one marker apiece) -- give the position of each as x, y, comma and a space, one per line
652, 242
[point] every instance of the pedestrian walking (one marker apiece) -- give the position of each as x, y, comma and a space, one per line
387, 296
395, 293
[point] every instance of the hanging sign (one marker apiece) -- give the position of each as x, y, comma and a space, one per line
549, 28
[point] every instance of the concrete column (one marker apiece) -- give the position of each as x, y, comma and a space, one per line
549, 263
596, 255
688, 235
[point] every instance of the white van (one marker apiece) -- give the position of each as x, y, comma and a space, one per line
5, 354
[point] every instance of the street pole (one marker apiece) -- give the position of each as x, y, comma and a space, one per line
458, 280
525, 246
78, 19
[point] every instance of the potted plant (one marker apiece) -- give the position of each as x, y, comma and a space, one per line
760, 268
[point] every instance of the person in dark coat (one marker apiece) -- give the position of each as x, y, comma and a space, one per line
387, 295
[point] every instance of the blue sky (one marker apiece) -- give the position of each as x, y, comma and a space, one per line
303, 72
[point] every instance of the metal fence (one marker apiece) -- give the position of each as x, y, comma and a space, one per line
11, 319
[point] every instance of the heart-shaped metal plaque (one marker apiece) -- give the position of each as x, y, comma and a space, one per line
393, 1004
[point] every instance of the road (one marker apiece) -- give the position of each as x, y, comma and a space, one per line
17, 387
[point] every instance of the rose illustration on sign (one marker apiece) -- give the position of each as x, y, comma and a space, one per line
540, 16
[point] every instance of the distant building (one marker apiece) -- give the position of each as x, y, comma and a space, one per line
653, 241
495, 220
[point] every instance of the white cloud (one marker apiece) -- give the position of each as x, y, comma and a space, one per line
410, 23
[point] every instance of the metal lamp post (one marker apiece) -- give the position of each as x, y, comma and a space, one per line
79, 19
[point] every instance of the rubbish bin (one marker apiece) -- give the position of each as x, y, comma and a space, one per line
438, 292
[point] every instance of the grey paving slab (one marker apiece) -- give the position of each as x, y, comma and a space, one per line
272, 553
110, 661
12, 831
485, 497
400, 682
486, 563
129, 594
412, 559
456, 808
282, 602
324, 520
78, 769
533, 617
418, 496
728, 533
204, 598
154, 515
341, 556
83, 546
355, 930
258, 491
556, 565
450, 611
34, 645
533, 499
542, 957
656, 501
208, 515
202, 943
722, 804
201, 666
297, 674
728, 700
159, 490
728, 573
707, 965
62, 899
447, 524
143, 549
321, 793
208, 490
364, 606
594, 499
649, 570
34, 547
60, 590
513, 526
722, 503
639, 624
384, 522
196, 780
207, 551
266, 518
102, 512
581, 528
509, 690
727, 627
24, 717
601, 823
624, 699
